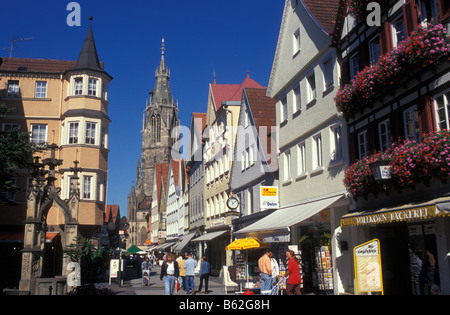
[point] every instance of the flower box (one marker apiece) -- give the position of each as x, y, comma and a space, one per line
425, 47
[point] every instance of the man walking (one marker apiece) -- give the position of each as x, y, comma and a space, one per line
190, 264
265, 269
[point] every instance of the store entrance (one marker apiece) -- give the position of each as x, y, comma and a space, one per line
398, 242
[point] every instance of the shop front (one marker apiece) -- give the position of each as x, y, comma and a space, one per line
414, 244
308, 227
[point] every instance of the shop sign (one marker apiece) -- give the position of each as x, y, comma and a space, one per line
269, 197
367, 259
390, 216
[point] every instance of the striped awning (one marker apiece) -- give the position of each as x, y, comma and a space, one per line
407, 213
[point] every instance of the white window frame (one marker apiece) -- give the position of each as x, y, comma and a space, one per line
363, 146
311, 86
88, 192
442, 113
90, 136
71, 134
296, 42
39, 140
296, 99
78, 86
411, 123
337, 145
398, 22
384, 136
328, 73
93, 87
287, 169
317, 152
13, 88
301, 160
40, 89
284, 109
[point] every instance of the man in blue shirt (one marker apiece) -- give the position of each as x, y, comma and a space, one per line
190, 264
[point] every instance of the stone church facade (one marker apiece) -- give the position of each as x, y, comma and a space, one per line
159, 133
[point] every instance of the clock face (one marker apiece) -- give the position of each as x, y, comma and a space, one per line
232, 203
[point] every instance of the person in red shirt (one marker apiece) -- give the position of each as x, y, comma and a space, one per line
293, 272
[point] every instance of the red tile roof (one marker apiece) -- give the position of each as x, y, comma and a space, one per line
35, 65
161, 173
112, 213
324, 11
231, 92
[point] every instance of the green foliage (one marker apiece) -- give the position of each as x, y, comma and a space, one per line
16, 156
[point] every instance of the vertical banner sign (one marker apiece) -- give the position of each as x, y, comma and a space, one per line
368, 273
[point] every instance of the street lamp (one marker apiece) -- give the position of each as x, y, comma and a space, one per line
381, 171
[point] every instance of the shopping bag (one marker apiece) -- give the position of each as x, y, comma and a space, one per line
177, 286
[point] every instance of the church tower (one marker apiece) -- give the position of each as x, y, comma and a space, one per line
160, 122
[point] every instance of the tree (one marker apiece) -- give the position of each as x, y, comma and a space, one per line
16, 156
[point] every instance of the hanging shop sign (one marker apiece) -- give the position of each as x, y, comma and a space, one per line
269, 197
367, 260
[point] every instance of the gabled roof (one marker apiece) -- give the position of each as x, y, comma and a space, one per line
145, 204
112, 213
197, 118
263, 110
324, 12
161, 174
231, 92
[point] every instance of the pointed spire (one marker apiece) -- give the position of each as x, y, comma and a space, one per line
88, 59
162, 65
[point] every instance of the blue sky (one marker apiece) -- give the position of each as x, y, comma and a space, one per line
202, 36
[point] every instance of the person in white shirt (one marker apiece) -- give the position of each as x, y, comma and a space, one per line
275, 269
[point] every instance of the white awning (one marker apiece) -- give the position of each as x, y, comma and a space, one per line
289, 216
209, 236
182, 244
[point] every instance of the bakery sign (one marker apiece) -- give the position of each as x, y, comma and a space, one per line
269, 198
381, 217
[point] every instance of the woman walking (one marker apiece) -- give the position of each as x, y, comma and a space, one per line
293, 272
205, 269
169, 272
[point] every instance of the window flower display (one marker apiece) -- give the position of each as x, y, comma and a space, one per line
423, 48
411, 162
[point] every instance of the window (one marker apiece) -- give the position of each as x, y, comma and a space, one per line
38, 134
428, 9
246, 118
87, 186
73, 133
317, 152
287, 166
301, 159
92, 88
296, 104
398, 31
103, 139
336, 143
375, 50
354, 66
362, 145
8, 195
384, 132
78, 86
284, 109
311, 86
251, 155
296, 42
10, 127
90, 133
13, 89
442, 107
328, 74
411, 123
41, 89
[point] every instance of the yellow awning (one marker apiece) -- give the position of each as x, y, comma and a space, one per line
406, 213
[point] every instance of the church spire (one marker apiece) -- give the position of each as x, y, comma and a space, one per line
161, 94
88, 59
